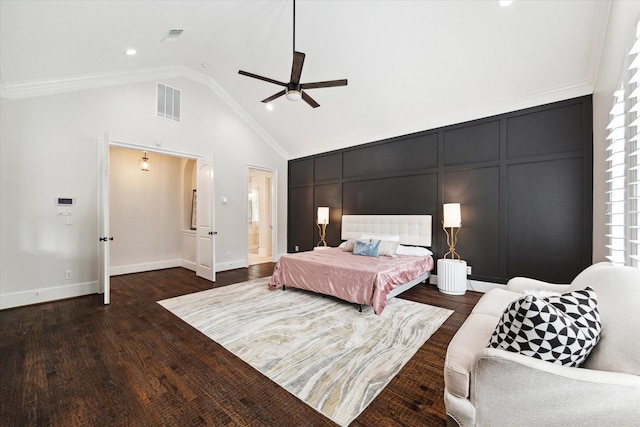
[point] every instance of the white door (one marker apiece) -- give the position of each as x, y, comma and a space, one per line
269, 215
103, 214
205, 233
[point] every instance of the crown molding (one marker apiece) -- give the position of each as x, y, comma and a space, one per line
218, 90
38, 88
35, 88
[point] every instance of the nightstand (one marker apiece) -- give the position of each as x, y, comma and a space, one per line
452, 276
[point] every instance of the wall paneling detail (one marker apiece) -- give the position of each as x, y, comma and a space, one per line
523, 179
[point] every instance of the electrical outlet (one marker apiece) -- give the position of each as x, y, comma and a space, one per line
468, 270
68, 274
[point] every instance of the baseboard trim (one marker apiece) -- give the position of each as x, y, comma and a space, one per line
231, 265
41, 295
37, 296
473, 285
189, 265
146, 266
159, 265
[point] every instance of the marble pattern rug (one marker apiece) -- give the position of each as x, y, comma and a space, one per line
320, 349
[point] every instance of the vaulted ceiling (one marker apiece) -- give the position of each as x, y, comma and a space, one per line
411, 65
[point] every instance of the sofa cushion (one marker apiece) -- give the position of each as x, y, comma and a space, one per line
494, 302
618, 290
560, 329
466, 343
473, 336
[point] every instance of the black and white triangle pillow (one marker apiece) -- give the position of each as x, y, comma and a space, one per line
561, 329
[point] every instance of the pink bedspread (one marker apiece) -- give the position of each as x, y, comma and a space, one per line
354, 278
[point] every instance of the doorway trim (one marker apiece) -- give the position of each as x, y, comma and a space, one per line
105, 287
153, 149
274, 209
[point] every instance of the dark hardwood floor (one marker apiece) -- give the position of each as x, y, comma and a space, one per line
77, 362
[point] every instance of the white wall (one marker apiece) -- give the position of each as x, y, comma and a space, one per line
48, 148
619, 39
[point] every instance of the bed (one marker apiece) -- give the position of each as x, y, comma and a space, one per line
362, 280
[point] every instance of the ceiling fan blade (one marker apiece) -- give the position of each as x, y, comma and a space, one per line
266, 79
296, 68
309, 100
330, 83
272, 97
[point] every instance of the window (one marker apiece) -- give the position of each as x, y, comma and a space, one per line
623, 184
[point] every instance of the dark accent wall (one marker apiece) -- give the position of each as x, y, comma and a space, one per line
523, 179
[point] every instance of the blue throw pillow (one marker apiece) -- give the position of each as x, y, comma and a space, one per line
366, 248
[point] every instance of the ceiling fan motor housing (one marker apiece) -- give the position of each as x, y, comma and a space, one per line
294, 92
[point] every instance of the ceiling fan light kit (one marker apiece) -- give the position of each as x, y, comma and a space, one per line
294, 90
294, 95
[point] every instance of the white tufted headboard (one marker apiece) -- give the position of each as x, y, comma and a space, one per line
412, 229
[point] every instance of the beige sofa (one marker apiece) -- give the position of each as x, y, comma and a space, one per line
493, 387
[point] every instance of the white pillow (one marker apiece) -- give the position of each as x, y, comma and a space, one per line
350, 244
387, 237
387, 248
413, 251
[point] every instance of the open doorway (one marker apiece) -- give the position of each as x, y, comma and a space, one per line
204, 218
260, 217
151, 211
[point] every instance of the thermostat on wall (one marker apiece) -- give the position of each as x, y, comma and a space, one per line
65, 205
65, 201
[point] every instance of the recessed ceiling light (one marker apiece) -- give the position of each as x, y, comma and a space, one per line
130, 52
505, 3
270, 106
204, 65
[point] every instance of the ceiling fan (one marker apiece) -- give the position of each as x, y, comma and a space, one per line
294, 90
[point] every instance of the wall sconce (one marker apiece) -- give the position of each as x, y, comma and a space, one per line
323, 220
452, 219
143, 163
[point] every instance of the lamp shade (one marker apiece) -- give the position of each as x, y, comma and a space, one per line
452, 217
323, 215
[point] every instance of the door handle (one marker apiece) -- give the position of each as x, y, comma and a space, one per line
104, 239
213, 233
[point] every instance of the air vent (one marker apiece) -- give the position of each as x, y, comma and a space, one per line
172, 35
168, 102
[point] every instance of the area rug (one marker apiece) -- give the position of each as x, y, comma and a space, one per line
320, 349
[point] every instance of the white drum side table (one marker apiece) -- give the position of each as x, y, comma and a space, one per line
452, 276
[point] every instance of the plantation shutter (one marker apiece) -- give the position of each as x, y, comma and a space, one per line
633, 160
616, 181
623, 183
